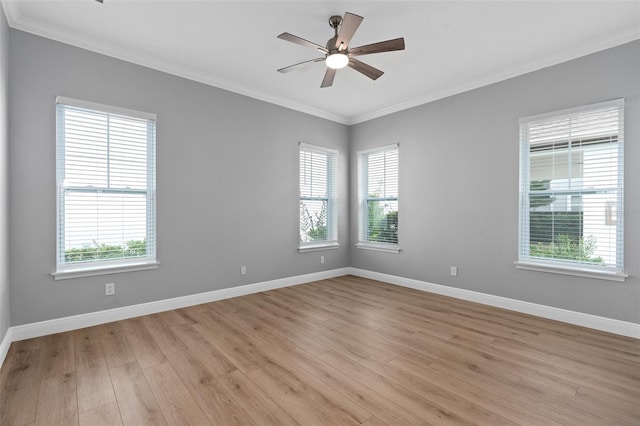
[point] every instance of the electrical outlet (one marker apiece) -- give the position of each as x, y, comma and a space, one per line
110, 289
321, 259
243, 270
454, 271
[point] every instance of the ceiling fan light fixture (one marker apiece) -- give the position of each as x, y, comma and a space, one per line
337, 60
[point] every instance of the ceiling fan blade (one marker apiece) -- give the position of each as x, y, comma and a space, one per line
327, 81
368, 70
349, 25
301, 42
299, 65
383, 46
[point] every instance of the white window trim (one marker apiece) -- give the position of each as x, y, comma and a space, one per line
557, 266
332, 201
78, 270
105, 108
369, 245
385, 247
569, 270
324, 245
94, 270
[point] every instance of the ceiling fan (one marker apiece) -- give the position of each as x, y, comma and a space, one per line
337, 53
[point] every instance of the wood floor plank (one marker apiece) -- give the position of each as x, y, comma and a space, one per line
21, 386
292, 299
104, 415
94, 388
374, 421
579, 370
185, 314
511, 394
175, 401
142, 344
295, 328
57, 402
297, 404
579, 411
116, 348
255, 329
598, 396
256, 403
214, 400
58, 357
88, 350
407, 399
342, 409
244, 354
163, 335
96, 330
136, 401
170, 318
367, 398
346, 350
440, 395
204, 350
466, 385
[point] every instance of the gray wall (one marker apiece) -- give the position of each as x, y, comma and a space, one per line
227, 176
227, 183
4, 174
459, 185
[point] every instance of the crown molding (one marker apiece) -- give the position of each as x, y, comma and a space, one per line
625, 36
17, 21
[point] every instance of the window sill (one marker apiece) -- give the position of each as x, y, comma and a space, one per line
317, 247
576, 272
388, 248
91, 271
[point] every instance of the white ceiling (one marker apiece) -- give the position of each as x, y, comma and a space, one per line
451, 46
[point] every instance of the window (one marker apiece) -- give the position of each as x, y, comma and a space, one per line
105, 189
318, 193
571, 190
378, 199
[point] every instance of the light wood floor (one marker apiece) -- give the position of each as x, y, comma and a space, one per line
341, 351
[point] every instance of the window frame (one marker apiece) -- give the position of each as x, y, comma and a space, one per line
364, 199
66, 270
563, 266
331, 198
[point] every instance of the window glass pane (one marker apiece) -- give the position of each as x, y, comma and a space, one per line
313, 174
127, 153
85, 148
382, 174
382, 221
104, 226
313, 220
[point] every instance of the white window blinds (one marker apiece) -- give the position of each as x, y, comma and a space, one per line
378, 197
318, 194
571, 188
105, 185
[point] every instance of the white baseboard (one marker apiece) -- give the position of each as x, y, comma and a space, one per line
75, 322
610, 325
4, 345
59, 325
